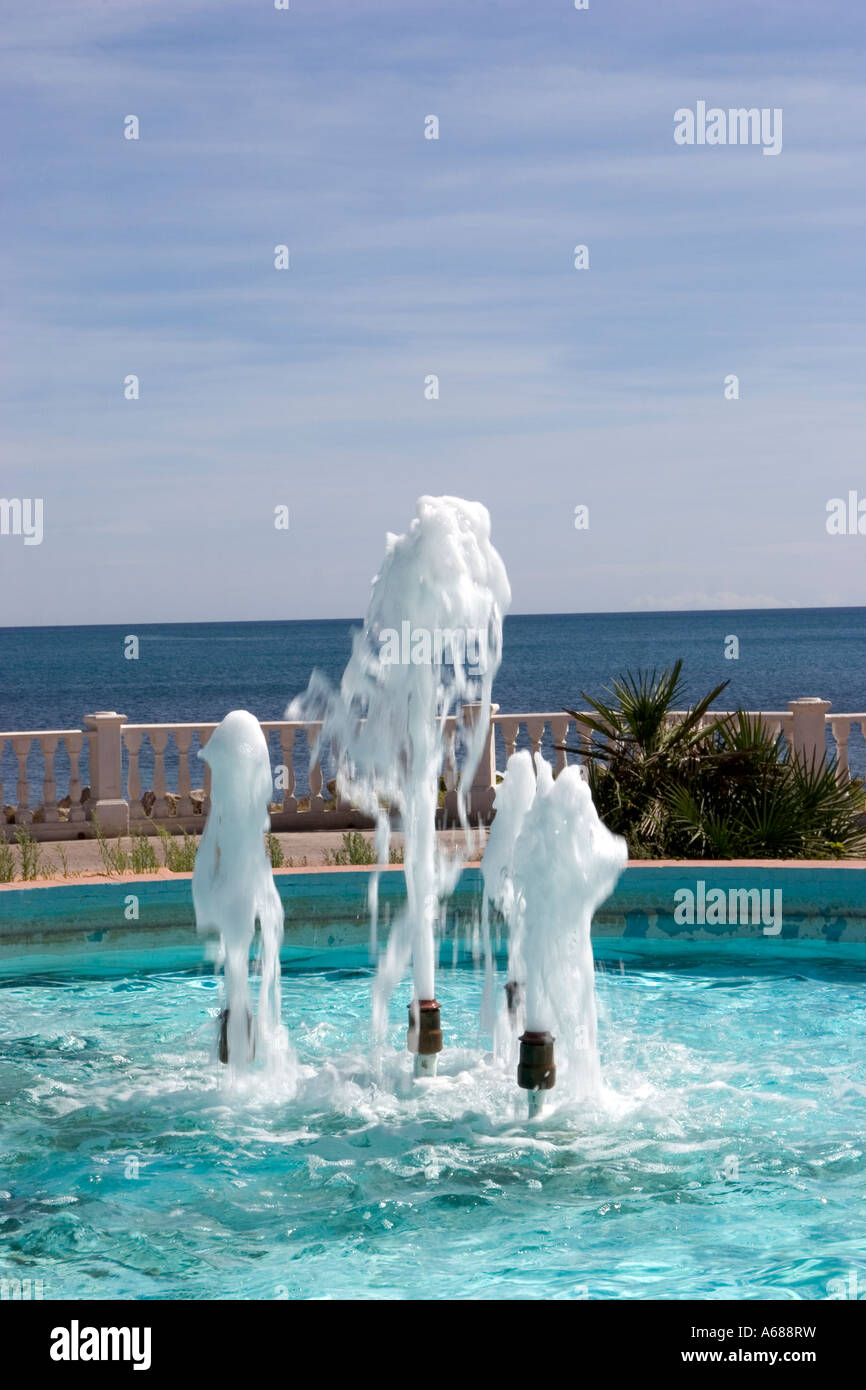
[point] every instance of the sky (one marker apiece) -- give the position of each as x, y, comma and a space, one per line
411, 257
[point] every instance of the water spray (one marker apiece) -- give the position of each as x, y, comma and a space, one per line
549, 863
223, 1038
429, 648
233, 888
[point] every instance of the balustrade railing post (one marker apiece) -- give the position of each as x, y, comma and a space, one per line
809, 729
483, 789
107, 804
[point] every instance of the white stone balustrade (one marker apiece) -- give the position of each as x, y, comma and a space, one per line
118, 752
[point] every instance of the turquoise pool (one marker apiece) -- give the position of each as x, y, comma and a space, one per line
726, 1160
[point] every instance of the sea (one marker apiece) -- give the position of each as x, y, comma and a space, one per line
50, 677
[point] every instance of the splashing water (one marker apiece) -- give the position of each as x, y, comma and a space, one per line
233, 884
549, 864
431, 640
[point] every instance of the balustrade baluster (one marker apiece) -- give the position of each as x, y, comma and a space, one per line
535, 726
159, 742
450, 771
21, 748
317, 801
287, 750
841, 731
559, 729
132, 740
509, 729
183, 742
50, 813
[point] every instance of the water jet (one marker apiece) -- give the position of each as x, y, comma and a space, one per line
549, 863
233, 887
429, 648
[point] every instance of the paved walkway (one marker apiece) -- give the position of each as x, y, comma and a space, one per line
301, 849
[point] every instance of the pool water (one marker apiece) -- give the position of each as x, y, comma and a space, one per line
725, 1159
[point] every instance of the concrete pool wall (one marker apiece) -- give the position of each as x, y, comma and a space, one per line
75, 922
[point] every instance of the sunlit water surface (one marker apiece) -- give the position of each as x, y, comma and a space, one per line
726, 1158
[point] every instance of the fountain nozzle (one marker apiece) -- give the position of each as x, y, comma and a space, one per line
223, 1048
513, 997
536, 1071
424, 1037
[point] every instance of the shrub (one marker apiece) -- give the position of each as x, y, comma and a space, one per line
275, 851
357, 849
7, 861
178, 852
142, 854
29, 852
115, 859
721, 790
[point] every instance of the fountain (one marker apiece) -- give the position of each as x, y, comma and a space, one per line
431, 642
233, 887
549, 863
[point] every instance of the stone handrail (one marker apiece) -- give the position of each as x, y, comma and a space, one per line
122, 757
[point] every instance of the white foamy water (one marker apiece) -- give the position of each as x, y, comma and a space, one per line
442, 579
233, 884
549, 864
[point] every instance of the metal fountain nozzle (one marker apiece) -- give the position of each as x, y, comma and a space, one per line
223, 1049
536, 1070
424, 1037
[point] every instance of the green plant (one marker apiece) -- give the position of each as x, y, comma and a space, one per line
746, 799
62, 860
7, 861
726, 788
29, 852
637, 748
275, 851
142, 853
357, 849
115, 859
178, 853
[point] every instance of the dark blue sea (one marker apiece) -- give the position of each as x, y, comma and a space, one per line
51, 676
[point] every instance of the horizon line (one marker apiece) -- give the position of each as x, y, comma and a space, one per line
592, 613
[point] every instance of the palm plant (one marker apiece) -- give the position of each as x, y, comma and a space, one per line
746, 798
689, 786
637, 748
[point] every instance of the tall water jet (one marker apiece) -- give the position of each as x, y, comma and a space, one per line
549, 864
233, 886
430, 643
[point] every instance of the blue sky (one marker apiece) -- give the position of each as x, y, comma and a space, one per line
409, 257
